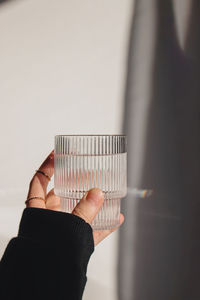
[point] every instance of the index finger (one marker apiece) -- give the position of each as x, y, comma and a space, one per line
39, 182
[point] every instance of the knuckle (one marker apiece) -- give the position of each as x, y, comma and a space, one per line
34, 178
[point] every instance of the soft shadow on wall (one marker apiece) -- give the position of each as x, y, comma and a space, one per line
159, 242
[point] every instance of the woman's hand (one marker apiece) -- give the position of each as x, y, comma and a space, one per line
87, 208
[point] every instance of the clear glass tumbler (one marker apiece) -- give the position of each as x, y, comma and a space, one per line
86, 161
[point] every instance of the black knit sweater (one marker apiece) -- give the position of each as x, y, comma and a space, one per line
48, 259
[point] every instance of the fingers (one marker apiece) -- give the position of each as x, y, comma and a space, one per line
39, 182
89, 205
101, 235
52, 201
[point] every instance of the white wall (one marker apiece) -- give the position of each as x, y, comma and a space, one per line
62, 66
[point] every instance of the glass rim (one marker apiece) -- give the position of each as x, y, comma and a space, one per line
85, 135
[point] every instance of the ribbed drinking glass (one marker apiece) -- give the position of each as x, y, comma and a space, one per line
83, 162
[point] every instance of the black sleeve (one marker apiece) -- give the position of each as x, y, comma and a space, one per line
48, 259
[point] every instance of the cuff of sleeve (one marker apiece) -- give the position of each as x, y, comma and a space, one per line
61, 228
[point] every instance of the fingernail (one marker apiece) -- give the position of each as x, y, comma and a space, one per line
51, 155
94, 196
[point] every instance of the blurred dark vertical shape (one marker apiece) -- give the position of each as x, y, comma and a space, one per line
191, 160
159, 244
5, 1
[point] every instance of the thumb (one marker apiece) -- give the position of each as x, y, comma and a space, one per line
89, 205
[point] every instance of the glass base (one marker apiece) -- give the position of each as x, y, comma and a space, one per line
107, 218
